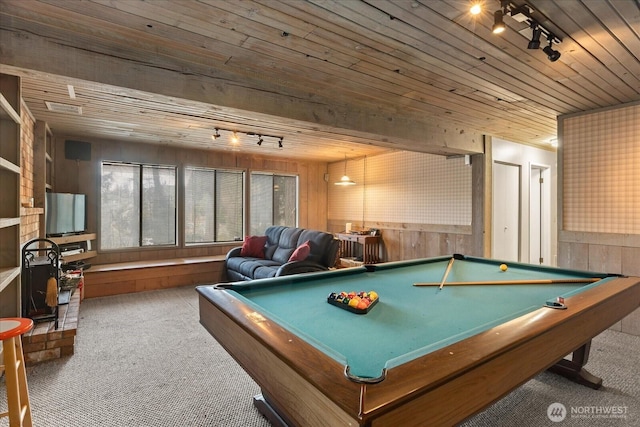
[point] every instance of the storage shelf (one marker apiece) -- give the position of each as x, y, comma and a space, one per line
9, 222
73, 239
78, 257
7, 275
10, 207
7, 111
10, 166
65, 240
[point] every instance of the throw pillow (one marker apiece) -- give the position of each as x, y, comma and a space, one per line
301, 253
253, 246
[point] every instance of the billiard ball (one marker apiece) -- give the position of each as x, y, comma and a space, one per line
503, 267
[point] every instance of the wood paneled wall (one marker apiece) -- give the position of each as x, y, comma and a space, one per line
84, 177
401, 241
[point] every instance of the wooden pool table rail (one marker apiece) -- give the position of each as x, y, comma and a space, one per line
442, 387
289, 370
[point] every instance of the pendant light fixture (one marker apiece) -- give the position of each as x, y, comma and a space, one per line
345, 180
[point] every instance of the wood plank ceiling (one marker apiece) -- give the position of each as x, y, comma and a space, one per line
333, 78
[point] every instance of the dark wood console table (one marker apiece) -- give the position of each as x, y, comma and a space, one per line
354, 245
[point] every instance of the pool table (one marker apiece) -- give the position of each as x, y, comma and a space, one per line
422, 355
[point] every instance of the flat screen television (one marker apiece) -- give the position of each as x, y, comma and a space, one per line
65, 214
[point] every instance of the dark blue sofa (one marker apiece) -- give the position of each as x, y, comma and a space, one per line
281, 243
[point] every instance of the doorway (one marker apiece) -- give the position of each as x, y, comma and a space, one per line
505, 237
540, 216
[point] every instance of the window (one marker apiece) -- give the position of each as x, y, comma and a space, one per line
274, 201
213, 205
137, 205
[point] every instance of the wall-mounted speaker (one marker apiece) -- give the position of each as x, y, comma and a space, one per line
77, 150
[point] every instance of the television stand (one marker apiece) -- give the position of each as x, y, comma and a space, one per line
56, 235
86, 242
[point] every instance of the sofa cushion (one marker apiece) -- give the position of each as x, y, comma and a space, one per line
273, 237
319, 242
253, 246
265, 271
287, 243
248, 266
301, 253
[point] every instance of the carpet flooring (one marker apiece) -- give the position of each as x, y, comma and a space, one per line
143, 360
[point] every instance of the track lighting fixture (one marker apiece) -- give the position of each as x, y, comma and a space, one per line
552, 54
498, 15
235, 138
525, 13
535, 38
498, 22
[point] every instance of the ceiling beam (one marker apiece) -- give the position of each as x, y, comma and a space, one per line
221, 88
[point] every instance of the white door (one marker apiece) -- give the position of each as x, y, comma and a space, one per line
540, 216
505, 239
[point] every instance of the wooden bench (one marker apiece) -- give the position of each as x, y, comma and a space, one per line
137, 276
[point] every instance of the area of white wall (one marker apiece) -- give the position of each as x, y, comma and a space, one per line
402, 187
527, 157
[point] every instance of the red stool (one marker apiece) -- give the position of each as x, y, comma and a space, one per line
11, 329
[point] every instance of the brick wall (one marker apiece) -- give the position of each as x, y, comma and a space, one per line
29, 216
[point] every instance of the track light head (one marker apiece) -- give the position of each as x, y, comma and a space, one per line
535, 38
552, 54
216, 135
280, 143
498, 22
260, 140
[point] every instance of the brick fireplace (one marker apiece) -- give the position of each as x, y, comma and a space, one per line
44, 342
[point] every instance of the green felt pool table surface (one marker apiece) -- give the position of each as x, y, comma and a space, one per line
422, 355
408, 321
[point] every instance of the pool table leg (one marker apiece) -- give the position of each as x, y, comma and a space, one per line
268, 410
574, 368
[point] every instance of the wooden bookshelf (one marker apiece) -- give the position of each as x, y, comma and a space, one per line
10, 157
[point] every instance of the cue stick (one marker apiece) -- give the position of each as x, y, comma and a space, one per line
514, 282
446, 272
